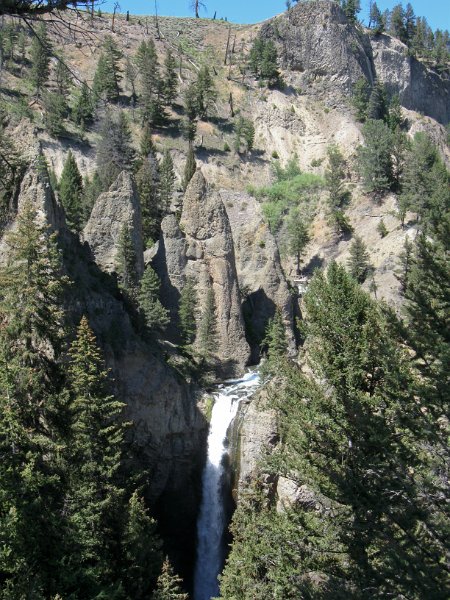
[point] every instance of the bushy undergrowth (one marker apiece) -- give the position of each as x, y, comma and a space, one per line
291, 189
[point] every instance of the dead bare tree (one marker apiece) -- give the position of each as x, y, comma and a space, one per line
196, 5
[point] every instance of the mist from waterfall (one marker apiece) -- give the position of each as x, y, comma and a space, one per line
212, 520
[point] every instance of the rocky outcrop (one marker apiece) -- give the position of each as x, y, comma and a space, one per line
253, 432
114, 209
35, 189
419, 88
201, 247
325, 55
320, 47
261, 278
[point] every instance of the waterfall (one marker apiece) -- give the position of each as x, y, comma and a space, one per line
212, 518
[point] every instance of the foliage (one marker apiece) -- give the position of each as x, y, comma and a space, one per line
382, 229
263, 59
360, 98
170, 81
189, 168
127, 262
375, 158
40, 58
147, 183
70, 192
244, 132
276, 345
377, 107
186, 312
292, 188
83, 109
353, 438
114, 149
298, 236
168, 586
167, 181
359, 264
149, 79
55, 110
33, 410
155, 315
108, 73
207, 331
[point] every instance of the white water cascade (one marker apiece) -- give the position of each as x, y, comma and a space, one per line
212, 518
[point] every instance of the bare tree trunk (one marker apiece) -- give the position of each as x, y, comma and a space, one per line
230, 102
228, 45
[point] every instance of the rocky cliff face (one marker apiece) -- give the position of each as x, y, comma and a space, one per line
419, 88
325, 55
253, 432
114, 209
261, 278
323, 52
201, 247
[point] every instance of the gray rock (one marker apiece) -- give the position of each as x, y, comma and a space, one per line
419, 88
261, 277
201, 247
253, 433
317, 43
35, 189
112, 210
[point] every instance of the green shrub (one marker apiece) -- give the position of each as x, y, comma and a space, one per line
275, 155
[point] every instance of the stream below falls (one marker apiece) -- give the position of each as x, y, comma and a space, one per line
212, 520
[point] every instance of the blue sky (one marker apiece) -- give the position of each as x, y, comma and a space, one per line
437, 12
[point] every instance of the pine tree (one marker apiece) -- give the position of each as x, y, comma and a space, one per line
167, 181
114, 150
359, 262
397, 24
421, 175
394, 117
376, 19
63, 78
186, 312
168, 586
269, 64
377, 106
276, 343
189, 168
126, 262
108, 73
55, 111
206, 93
142, 550
83, 109
70, 192
375, 158
170, 83
40, 58
147, 183
149, 83
361, 95
207, 332
96, 496
155, 315
32, 410
351, 8
409, 24
298, 236
244, 131
92, 188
